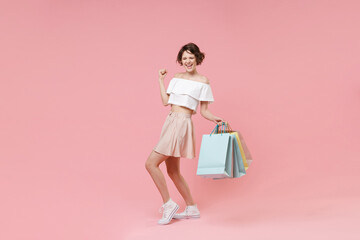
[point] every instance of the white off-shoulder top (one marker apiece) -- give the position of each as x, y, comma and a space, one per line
188, 93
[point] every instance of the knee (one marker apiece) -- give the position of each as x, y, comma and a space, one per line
173, 174
149, 165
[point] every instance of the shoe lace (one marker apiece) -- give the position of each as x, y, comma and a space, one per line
191, 210
165, 210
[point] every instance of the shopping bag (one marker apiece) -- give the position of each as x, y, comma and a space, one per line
215, 157
246, 150
245, 153
241, 149
238, 168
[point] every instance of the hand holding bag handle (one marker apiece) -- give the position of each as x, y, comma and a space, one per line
216, 129
223, 128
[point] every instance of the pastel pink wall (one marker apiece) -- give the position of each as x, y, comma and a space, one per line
81, 111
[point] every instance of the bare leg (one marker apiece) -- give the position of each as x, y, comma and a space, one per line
173, 170
152, 166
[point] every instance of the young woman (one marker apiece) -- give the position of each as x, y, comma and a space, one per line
177, 138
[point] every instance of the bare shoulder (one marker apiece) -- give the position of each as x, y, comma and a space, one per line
204, 79
178, 75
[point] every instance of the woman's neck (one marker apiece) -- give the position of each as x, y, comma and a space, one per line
192, 74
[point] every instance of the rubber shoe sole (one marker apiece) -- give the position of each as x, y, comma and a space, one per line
177, 216
170, 216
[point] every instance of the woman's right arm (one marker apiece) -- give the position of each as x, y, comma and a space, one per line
164, 96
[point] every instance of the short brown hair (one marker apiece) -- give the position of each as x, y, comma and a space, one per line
194, 49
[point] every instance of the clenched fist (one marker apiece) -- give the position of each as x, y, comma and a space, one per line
162, 73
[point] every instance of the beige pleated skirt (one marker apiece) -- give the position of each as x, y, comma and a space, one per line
177, 136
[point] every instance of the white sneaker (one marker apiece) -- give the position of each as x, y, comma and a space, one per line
190, 212
168, 209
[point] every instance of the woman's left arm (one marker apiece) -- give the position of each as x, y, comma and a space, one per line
205, 112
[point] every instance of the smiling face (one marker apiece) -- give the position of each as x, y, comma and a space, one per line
188, 60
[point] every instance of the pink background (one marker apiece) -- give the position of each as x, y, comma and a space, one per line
81, 110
